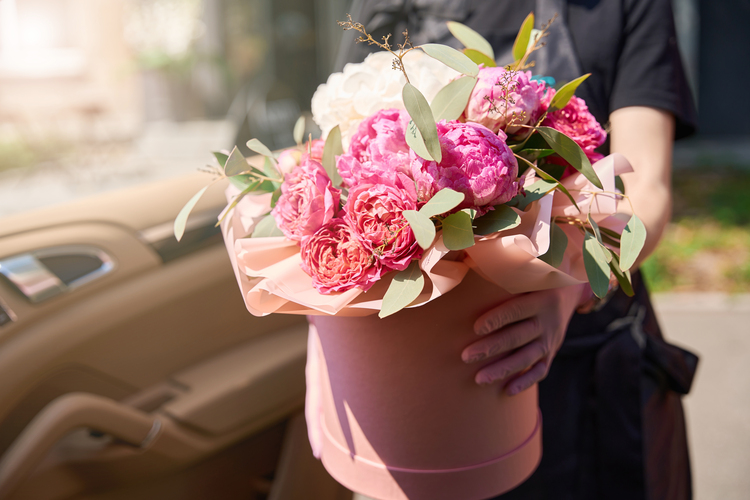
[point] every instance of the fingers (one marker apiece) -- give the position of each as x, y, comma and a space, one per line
512, 311
510, 338
537, 373
523, 359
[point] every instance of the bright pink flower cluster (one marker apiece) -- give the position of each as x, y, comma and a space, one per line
475, 162
576, 121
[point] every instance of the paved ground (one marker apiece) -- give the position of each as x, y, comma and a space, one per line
717, 328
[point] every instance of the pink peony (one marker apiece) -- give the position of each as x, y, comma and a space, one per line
475, 162
374, 211
336, 259
504, 100
377, 148
576, 121
308, 201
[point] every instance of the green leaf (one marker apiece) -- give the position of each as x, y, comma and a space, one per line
241, 182
557, 245
272, 172
631, 243
221, 158
415, 142
571, 152
404, 289
480, 58
422, 226
236, 163
181, 220
444, 201
331, 150
266, 228
535, 154
275, 197
623, 278
544, 175
457, 231
451, 57
452, 99
421, 114
595, 262
260, 148
598, 235
523, 37
565, 93
471, 39
254, 186
534, 192
299, 130
500, 219
619, 185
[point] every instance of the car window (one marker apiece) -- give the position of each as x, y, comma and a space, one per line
96, 96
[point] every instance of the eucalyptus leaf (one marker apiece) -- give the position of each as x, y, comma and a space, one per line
452, 58
331, 150
450, 102
415, 142
500, 219
260, 148
619, 185
631, 242
444, 201
534, 192
595, 262
535, 154
623, 278
557, 245
266, 228
271, 172
236, 163
221, 158
241, 182
547, 177
249, 189
523, 37
565, 93
457, 231
403, 290
471, 39
420, 112
598, 235
421, 226
181, 220
299, 130
480, 58
571, 152
275, 197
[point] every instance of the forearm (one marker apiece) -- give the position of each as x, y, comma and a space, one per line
645, 137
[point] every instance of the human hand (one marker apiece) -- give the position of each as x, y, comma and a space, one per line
527, 330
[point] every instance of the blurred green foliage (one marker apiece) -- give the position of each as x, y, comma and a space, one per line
707, 245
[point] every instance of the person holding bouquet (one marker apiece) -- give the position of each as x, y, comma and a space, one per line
610, 385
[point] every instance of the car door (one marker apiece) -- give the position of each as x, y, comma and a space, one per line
129, 366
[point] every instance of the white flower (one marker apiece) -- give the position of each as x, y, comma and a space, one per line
364, 88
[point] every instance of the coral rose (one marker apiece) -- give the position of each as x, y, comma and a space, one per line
336, 259
475, 162
374, 211
377, 148
504, 100
308, 200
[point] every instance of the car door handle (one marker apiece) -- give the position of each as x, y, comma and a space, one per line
42, 274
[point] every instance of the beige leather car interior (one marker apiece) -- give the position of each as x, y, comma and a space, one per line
130, 368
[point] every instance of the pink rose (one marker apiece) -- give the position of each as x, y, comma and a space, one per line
374, 211
316, 150
504, 100
377, 148
475, 162
308, 200
292, 157
336, 259
576, 121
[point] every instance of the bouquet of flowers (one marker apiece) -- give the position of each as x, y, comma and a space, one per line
445, 165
